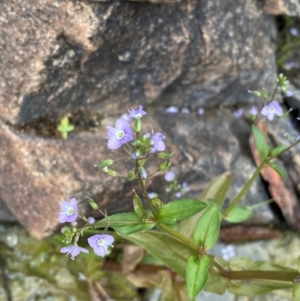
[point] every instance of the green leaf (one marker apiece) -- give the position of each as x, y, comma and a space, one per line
178, 210
252, 287
127, 223
238, 214
296, 289
216, 282
138, 205
260, 142
196, 274
278, 169
217, 190
106, 163
164, 247
207, 228
164, 155
278, 150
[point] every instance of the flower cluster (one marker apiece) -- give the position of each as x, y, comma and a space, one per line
174, 187
121, 135
99, 243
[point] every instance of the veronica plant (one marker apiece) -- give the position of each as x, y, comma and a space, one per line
180, 233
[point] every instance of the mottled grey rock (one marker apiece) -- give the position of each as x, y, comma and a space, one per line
99, 59
282, 7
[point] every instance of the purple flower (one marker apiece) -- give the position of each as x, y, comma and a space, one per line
253, 111
91, 220
158, 142
73, 250
200, 111
134, 114
171, 110
239, 113
294, 31
169, 176
119, 135
272, 109
100, 243
152, 195
185, 111
69, 211
143, 173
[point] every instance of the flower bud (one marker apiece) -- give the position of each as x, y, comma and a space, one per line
131, 175
106, 163
93, 204
137, 125
156, 202
137, 205
164, 155
110, 171
165, 165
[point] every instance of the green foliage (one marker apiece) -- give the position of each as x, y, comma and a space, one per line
260, 142
253, 287
65, 127
126, 223
296, 289
164, 247
278, 169
196, 274
106, 163
217, 190
207, 228
179, 210
137, 205
238, 214
278, 150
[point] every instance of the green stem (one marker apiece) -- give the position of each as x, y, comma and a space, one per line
245, 189
262, 275
179, 236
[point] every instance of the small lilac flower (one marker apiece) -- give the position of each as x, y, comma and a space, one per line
185, 187
91, 220
253, 111
152, 195
143, 173
100, 243
171, 110
134, 114
158, 142
119, 135
178, 194
169, 176
294, 31
200, 111
239, 113
290, 65
272, 109
69, 211
125, 116
185, 111
73, 250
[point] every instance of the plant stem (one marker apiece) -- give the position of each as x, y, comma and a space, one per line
245, 189
262, 275
179, 236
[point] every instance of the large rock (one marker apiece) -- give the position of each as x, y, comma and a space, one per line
95, 60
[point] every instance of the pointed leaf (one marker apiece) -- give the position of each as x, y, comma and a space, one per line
260, 142
164, 247
178, 210
207, 229
196, 274
278, 169
217, 190
127, 223
238, 214
278, 150
296, 289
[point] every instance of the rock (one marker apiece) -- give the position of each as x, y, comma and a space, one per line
93, 61
282, 7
